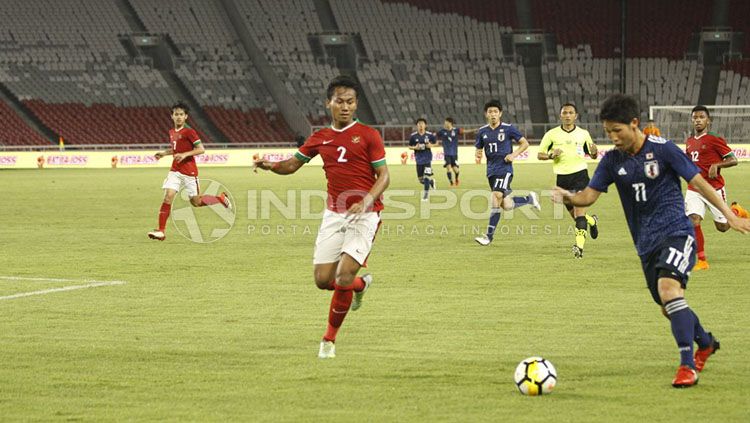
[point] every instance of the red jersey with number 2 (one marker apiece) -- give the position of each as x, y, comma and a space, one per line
704, 151
183, 141
350, 156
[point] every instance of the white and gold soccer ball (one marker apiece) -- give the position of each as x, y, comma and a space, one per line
535, 376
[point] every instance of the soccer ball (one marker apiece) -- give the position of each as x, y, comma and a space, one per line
535, 376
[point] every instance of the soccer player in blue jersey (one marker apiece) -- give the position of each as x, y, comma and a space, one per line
448, 137
495, 140
421, 141
646, 171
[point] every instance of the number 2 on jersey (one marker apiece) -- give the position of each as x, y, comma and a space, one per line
341, 158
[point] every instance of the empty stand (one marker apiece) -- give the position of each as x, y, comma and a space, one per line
15, 131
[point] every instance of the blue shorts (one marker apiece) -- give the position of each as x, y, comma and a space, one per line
450, 161
422, 170
501, 183
673, 258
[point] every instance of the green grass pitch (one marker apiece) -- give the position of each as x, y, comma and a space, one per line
229, 330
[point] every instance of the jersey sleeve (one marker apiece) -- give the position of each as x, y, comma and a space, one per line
308, 150
413, 140
587, 143
679, 161
514, 133
479, 141
193, 137
546, 144
721, 147
376, 150
602, 178
432, 138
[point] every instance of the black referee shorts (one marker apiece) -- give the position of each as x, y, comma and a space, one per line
574, 181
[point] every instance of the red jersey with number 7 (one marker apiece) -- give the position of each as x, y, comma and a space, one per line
183, 141
350, 157
705, 150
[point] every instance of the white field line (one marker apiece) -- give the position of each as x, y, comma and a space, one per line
89, 284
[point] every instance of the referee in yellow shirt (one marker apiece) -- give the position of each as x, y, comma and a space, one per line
567, 145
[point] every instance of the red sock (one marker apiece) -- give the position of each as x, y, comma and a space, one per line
340, 302
358, 285
207, 200
699, 241
164, 215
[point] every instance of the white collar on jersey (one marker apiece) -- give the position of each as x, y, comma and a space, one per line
354, 122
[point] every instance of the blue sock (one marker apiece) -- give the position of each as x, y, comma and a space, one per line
701, 337
683, 328
521, 201
494, 220
426, 184
450, 177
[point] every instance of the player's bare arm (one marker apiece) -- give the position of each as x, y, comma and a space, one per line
284, 167
383, 179
198, 150
728, 161
709, 193
523, 145
478, 154
161, 154
583, 198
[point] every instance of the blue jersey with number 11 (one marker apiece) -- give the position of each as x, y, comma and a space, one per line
650, 191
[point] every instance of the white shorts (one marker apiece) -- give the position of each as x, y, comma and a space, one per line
695, 203
338, 235
177, 181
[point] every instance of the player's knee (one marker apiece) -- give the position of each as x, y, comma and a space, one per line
344, 278
195, 201
669, 289
722, 227
323, 280
695, 219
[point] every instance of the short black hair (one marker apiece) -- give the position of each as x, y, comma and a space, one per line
620, 108
450, 119
420, 120
493, 103
571, 105
342, 81
701, 108
650, 120
181, 105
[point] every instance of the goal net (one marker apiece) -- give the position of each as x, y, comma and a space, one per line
731, 122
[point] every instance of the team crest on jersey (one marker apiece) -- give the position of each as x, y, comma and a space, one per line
651, 169
356, 139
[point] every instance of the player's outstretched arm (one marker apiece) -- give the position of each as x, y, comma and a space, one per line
583, 198
378, 188
160, 154
709, 193
285, 167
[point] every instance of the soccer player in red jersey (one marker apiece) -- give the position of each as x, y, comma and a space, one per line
354, 163
185, 145
710, 153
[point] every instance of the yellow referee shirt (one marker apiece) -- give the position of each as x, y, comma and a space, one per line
574, 145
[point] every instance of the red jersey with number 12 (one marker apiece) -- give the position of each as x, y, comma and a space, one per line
183, 141
350, 156
705, 150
